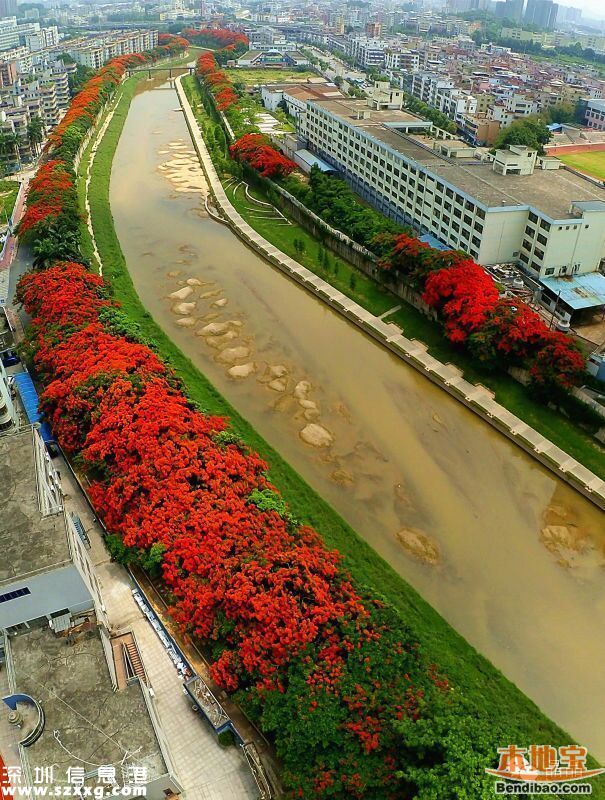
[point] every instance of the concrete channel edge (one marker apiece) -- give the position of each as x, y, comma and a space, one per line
475, 397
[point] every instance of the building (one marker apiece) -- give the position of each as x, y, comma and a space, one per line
367, 53
83, 705
426, 85
510, 9
407, 60
8, 73
8, 8
479, 130
595, 115
95, 52
8, 413
21, 56
9, 34
42, 39
511, 207
73, 693
373, 30
542, 13
295, 95
272, 57
45, 574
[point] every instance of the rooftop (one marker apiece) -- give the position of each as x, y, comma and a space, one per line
578, 291
29, 542
353, 111
87, 723
550, 191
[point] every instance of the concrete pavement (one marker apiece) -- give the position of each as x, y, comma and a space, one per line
206, 770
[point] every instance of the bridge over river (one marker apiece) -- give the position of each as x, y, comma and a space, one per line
153, 72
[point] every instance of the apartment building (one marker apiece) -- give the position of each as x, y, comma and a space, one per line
42, 39
407, 60
595, 115
367, 53
425, 86
21, 56
9, 34
478, 130
455, 103
8, 73
505, 208
96, 52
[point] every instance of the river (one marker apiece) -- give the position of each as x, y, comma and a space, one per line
511, 556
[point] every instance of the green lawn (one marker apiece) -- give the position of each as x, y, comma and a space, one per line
472, 675
8, 197
590, 163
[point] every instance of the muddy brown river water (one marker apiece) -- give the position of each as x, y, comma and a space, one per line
512, 557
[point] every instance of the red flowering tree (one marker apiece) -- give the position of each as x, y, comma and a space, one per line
464, 295
558, 363
511, 331
254, 149
287, 626
51, 201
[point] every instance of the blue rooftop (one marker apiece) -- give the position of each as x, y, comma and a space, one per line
313, 161
578, 291
29, 398
433, 242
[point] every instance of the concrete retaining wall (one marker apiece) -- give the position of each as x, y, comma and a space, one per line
447, 376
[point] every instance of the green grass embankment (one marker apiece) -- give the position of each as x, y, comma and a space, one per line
8, 197
472, 675
552, 424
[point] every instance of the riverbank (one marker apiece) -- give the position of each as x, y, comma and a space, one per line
553, 425
446, 375
475, 679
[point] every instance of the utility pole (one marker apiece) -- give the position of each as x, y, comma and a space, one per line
552, 319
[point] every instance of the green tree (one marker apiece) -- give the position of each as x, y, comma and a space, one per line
447, 750
59, 244
529, 131
35, 133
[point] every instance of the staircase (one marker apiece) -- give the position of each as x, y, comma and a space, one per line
127, 660
132, 662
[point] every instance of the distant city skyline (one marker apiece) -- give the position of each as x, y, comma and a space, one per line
590, 8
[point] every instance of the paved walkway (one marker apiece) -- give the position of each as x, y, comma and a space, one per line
206, 770
11, 244
449, 377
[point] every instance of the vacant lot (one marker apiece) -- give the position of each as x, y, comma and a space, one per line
254, 76
590, 163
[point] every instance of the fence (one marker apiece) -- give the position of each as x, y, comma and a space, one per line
349, 250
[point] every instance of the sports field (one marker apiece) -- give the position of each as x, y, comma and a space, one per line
254, 76
590, 163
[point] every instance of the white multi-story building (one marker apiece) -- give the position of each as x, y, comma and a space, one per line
402, 60
366, 52
40, 40
9, 33
425, 86
21, 55
511, 207
455, 103
96, 52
